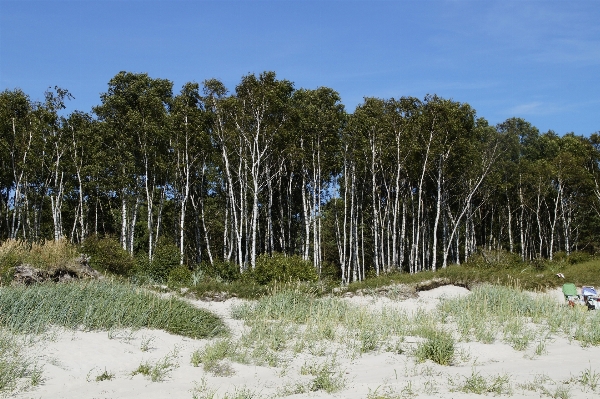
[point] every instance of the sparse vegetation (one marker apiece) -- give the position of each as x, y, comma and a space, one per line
291, 318
105, 376
17, 370
326, 376
481, 385
159, 370
212, 357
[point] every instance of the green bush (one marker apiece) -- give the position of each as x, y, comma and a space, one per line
330, 271
165, 258
179, 276
224, 270
559, 256
578, 257
107, 255
279, 267
493, 259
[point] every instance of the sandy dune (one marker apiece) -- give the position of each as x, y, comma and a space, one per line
73, 360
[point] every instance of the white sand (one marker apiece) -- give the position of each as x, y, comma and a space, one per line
72, 361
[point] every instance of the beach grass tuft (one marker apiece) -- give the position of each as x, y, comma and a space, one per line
101, 305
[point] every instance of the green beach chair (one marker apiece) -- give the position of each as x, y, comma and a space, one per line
570, 292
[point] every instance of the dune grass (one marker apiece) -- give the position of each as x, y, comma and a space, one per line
518, 317
17, 370
47, 256
101, 305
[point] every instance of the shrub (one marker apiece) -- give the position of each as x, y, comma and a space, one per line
50, 257
279, 267
179, 276
107, 255
11, 255
330, 271
165, 258
559, 256
224, 270
578, 257
493, 259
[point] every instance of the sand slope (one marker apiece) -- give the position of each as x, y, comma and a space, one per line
72, 360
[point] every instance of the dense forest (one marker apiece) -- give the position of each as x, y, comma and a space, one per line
398, 184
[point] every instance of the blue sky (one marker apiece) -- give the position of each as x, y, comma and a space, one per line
539, 60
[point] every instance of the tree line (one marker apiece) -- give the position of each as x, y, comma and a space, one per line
398, 185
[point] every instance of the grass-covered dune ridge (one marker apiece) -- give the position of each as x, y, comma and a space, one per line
519, 316
101, 305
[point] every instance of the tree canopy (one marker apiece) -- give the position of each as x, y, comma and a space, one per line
397, 185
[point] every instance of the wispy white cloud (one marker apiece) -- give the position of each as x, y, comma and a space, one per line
532, 108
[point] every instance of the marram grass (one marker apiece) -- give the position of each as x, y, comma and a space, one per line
17, 371
101, 305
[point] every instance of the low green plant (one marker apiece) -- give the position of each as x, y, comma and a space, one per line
143, 369
480, 385
439, 348
17, 370
326, 376
105, 376
158, 371
590, 379
146, 343
561, 392
212, 357
201, 390
101, 305
541, 347
385, 393
241, 393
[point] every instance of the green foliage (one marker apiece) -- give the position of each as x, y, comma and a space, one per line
164, 259
330, 271
221, 270
480, 385
326, 377
101, 305
494, 259
105, 376
578, 257
158, 371
107, 255
179, 276
439, 347
590, 378
279, 267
